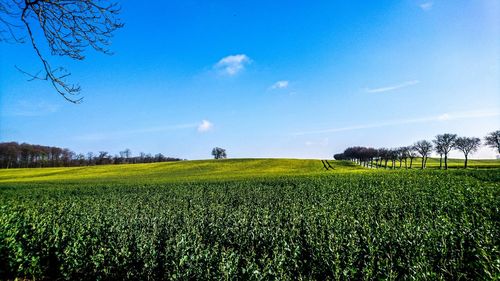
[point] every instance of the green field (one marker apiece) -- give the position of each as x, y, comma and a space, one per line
249, 219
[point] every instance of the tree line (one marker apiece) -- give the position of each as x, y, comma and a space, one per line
24, 155
441, 144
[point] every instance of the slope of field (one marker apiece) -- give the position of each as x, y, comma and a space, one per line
177, 171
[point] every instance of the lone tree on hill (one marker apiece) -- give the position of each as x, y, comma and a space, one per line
446, 142
493, 140
424, 148
219, 153
67, 28
467, 145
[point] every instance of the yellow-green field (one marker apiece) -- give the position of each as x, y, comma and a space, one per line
453, 163
203, 170
178, 171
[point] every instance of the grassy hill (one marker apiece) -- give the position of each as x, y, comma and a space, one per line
177, 171
203, 170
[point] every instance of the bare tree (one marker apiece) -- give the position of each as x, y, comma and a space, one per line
412, 154
439, 150
125, 155
68, 27
404, 152
424, 148
446, 143
467, 145
493, 140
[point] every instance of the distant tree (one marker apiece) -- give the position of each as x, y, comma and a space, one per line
128, 153
370, 154
424, 148
160, 158
440, 151
384, 155
102, 158
446, 142
125, 155
79, 159
405, 154
90, 158
68, 27
412, 154
394, 156
219, 153
493, 140
467, 145
339, 156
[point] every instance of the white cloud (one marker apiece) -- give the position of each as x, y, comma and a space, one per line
444, 117
438, 118
205, 126
323, 142
393, 87
282, 84
232, 65
426, 6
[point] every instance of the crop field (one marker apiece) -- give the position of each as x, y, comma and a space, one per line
249, 220
200, 170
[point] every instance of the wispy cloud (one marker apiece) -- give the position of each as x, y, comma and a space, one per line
282, 84
323, 142
437, 118
205, 126
392, 87
201, 127
426, 6
232, 65
32, 109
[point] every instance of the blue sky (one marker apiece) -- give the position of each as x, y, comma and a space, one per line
268, 79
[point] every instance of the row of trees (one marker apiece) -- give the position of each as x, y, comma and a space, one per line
442, 145
15, 155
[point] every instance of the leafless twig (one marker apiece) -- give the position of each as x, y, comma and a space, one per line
68, 26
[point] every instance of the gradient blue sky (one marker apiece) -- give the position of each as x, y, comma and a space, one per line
269, 79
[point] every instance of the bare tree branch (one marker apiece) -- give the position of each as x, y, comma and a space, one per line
68, 27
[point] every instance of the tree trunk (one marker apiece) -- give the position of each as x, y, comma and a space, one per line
465, 164
411, 162
423, 159
446, 161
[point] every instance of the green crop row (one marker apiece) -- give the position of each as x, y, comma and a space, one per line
403, 225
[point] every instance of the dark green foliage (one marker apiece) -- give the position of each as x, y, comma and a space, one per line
402, 225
